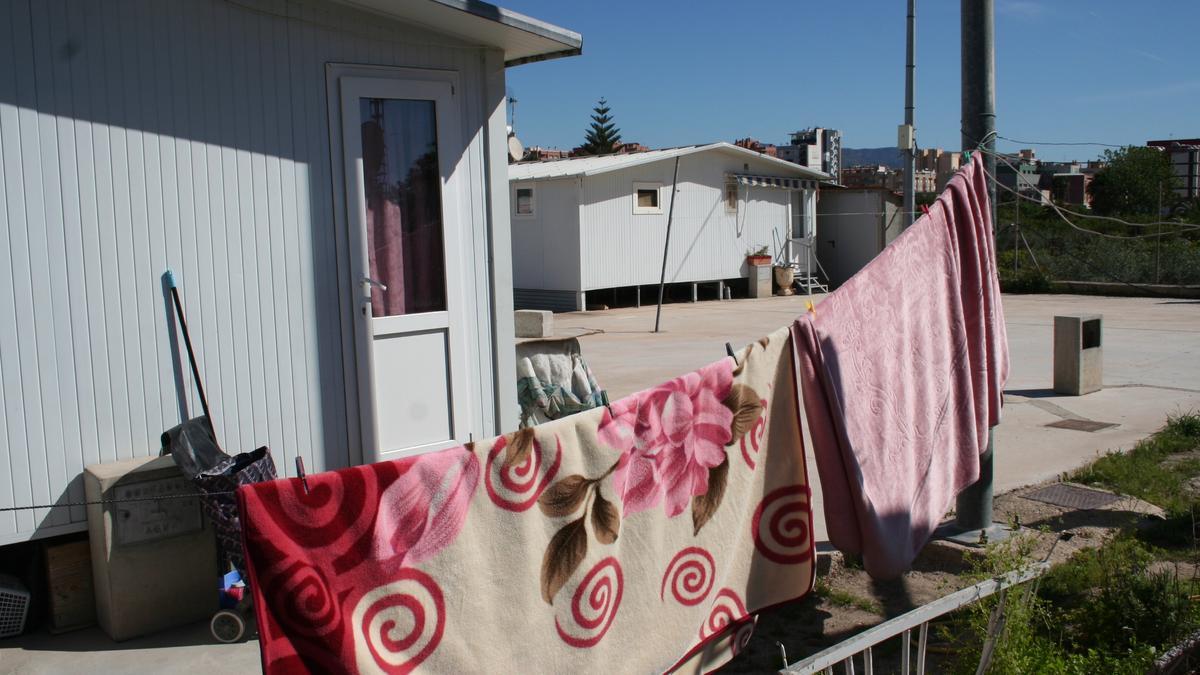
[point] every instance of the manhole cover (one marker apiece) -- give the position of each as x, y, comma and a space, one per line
1081, 425
1072, 496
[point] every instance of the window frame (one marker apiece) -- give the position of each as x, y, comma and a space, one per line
656, 210
732, 184
517, 187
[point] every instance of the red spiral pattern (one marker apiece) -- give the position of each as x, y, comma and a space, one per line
727, 609
319, 517
754, 436
594, 605
310, 607
782, 523
689, 575
518, 487
741, 636
399, 624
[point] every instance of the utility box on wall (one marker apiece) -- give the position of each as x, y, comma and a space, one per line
1078, 354
154, 561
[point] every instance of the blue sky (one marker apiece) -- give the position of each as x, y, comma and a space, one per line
684, 72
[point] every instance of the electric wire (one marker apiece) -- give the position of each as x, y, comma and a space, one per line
1062, 211
1013, 140
193, 495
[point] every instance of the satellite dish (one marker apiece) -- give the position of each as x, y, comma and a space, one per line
515, 150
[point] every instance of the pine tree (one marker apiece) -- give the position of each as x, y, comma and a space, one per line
602, 135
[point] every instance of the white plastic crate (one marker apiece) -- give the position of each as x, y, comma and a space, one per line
14, 605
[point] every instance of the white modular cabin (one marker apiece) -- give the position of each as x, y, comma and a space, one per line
589, 223
856, 225
287, 159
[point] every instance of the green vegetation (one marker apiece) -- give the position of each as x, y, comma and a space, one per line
1050, 249
840, 598
1156, 469
1136, 181
602, 135
1110, 609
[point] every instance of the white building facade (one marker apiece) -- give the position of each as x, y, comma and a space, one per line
273, 154
584, 224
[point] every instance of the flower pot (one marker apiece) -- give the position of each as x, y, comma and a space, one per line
758, 259
784, 276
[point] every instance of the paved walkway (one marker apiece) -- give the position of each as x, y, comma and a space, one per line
1152, 369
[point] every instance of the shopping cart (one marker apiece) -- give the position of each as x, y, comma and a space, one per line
218, 475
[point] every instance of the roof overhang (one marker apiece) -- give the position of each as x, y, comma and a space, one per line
588, 166
523, 39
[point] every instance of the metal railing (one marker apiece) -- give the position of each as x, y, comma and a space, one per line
862, 645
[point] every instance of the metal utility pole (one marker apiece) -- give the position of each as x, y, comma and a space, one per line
662, 279
973, 510
910, 156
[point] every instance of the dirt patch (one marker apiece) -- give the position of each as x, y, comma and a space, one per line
848, 601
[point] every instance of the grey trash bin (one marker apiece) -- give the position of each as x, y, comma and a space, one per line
1078, 354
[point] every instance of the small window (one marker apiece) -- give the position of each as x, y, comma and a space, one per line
731, 196
646, 198
523, 201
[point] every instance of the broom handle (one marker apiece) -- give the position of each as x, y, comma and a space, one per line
187, 341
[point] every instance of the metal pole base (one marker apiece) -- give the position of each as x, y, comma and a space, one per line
978, 538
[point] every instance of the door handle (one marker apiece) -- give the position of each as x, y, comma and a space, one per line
373, 282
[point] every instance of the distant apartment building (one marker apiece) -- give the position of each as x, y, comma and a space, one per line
1021, 173
879, 176
757, 146
1069, 187
538, 153
817, 148
618, 149
943, 163
1184, 155
871, 176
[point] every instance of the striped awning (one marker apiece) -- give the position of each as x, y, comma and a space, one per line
775, 182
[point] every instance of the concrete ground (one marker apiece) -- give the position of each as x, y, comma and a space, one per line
1151, 369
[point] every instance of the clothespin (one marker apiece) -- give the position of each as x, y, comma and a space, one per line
783, 652
811, 308
966, 156
925, 209
729, 350
300, 472
604, 400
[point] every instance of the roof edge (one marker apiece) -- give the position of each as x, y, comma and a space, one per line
572, 41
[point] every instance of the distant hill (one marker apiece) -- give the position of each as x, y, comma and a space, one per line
889, 157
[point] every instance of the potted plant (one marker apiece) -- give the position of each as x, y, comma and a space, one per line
758, 256
785, 275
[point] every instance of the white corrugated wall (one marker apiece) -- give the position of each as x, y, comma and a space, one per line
137, 135
620, 248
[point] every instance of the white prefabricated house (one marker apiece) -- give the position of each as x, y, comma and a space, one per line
328, 181
588, 223
856, 225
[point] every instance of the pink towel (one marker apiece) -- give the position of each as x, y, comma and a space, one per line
902, 370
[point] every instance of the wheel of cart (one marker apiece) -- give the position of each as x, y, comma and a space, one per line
228, 625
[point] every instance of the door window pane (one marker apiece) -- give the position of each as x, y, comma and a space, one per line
402, 186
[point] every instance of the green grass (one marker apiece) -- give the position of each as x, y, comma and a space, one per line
1141, 471
840, 598
1109, 609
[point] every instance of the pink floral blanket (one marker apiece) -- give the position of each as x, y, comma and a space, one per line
903, 369
637, 539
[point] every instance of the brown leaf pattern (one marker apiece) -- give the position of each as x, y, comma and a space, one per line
520, 444
564, 497
563, 555
705, 506
746, 407
605, 521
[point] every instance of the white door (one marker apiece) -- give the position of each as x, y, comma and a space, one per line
402, 148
